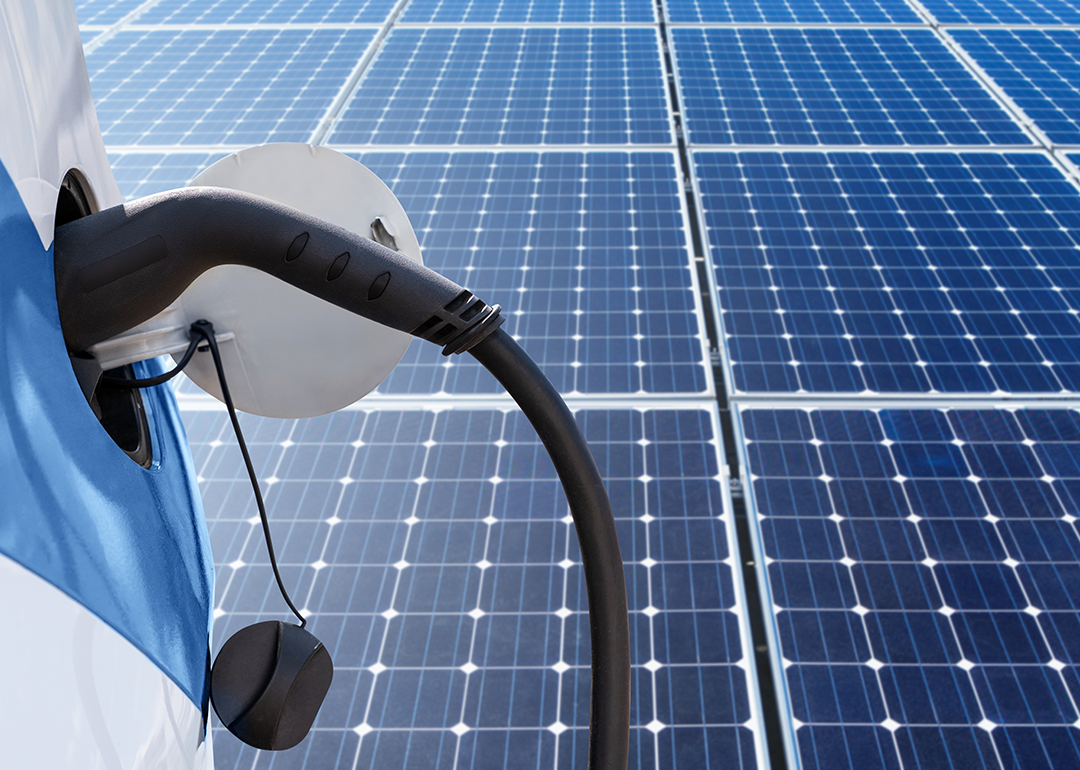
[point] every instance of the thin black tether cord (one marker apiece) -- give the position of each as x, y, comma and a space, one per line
149, 382
203, 332
205, 329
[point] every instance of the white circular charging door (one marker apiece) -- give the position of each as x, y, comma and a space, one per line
292, 354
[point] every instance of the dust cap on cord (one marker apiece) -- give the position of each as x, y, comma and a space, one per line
268, 683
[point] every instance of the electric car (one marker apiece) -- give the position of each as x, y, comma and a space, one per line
105, 565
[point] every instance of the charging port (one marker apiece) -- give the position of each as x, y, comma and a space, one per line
120, 411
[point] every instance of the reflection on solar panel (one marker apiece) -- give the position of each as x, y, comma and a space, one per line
264, 12
922, 569
511, 86
893, 272
819, 86
792, 11
170, 87
1037, 69
528, 11
1003, 11
436, 556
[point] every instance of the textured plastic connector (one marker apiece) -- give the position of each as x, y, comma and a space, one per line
460, 324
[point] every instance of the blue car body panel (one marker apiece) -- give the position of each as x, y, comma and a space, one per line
130, 544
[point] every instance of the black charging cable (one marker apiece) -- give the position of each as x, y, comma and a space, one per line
202, 333
601, 557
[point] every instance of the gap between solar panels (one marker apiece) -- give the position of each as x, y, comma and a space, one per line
318, 136
768, 691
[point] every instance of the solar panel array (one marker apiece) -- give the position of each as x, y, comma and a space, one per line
805, 271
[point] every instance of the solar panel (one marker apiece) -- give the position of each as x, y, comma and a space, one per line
822, 86
1038, 69
104, 11
502, 86
920, 566
528, 11
435, 556
185, 87
1003, 11
894, 272
791, 11
262, 12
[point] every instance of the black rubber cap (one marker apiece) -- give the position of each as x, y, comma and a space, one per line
268, 683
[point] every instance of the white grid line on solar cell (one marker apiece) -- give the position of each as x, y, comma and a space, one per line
219, 87
792, 25
466, 616
539, 149
238, 27
898, 273
1033, 149
1039, 71
588, 253
831, 12
530, 11
524, 25
939, 637
1011, 27
509, 86
1004, 12
272, 11
818, 86
107, 12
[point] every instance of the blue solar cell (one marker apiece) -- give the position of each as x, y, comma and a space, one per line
528, 11
104, 11
821, 87
458, 630
896, 653
1038, 69
792, 11
510, 86
261, 12
1003, 11
184, 87
892, 273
